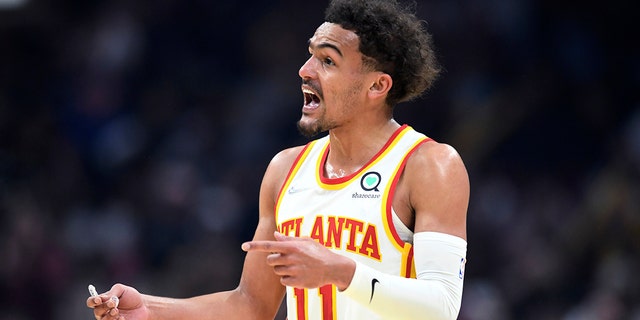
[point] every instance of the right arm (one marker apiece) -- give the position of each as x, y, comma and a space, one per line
258, 295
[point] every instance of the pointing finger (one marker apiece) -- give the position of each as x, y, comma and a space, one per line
265, 246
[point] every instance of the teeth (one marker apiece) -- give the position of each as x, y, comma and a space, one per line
310, 97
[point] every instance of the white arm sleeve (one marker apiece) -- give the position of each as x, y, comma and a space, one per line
435, 294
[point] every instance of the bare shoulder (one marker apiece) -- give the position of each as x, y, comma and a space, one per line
283, 160
278, 170
287, 156
437, 158
438, 185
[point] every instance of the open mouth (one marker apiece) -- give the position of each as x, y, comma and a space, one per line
311, 99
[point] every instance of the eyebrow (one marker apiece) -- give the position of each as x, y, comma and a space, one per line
323, 45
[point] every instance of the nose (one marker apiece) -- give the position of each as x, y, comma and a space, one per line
307, 70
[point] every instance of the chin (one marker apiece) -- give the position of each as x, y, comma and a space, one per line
307, 129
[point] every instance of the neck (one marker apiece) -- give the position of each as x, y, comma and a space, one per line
352, 148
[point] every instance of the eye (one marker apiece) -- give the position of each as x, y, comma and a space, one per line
328, 61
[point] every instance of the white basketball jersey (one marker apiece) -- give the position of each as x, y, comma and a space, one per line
352, 216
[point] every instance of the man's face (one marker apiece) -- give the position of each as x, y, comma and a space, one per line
332, 80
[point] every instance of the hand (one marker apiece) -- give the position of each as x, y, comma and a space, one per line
303, 262
128, 305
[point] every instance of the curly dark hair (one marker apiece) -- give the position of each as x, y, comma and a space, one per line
393, 41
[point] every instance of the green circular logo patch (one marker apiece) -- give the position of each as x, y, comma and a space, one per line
370, 181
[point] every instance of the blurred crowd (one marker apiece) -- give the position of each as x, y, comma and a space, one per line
134, 136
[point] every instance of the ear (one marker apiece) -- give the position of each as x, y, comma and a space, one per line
380, 86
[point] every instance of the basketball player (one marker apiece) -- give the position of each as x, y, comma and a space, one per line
367, 222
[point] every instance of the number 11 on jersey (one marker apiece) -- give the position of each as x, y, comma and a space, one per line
326, 294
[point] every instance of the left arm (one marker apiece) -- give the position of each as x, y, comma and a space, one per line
438, 191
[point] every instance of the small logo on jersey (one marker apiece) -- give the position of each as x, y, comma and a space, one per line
370, 181
373, 287
463, 262
295, 189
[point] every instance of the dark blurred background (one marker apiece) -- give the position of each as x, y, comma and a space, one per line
134, 135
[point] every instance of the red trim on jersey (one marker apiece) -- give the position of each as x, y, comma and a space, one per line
392, 190
340, 180
408, 271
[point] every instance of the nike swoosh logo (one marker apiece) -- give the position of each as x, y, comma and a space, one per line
373, 288
293, 189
